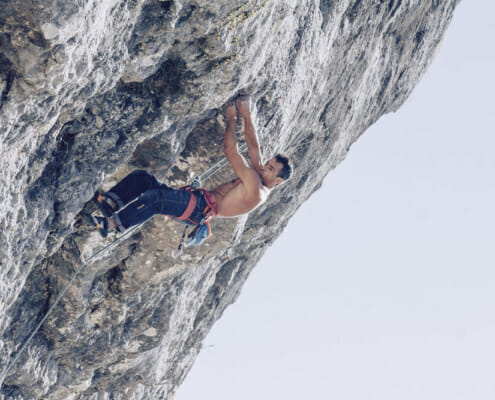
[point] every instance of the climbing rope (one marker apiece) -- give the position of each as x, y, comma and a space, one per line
196, 183
213, 169
81, 266
203, 177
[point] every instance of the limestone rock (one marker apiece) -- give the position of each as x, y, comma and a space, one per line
92, 90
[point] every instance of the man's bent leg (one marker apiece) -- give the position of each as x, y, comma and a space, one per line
132, 186
163, 200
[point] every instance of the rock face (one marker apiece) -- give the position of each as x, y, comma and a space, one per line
91, 90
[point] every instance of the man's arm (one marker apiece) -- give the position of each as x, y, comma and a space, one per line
247, 175
242, 104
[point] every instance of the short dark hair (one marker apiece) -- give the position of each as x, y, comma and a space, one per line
286, 170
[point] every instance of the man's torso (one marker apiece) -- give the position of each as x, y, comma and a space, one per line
232, 199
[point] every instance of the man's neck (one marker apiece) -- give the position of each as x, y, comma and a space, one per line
262, 181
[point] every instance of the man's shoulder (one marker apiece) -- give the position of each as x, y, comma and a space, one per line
252, 182
251, 177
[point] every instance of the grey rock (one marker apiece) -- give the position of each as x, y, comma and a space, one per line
92, 90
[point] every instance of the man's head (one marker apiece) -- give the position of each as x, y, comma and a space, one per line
276, 171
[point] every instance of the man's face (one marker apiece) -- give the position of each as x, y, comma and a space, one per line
269, 173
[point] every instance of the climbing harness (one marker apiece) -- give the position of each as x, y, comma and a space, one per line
202, 230
203, 177
191, 242
195, 238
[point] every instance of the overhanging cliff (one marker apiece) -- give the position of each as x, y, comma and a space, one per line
92, 90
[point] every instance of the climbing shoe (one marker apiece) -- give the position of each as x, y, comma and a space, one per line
104, 204
100, 223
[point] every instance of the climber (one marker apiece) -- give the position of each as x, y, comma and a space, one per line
140, 195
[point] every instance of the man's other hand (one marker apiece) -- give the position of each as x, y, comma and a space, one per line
242, 104
230, 111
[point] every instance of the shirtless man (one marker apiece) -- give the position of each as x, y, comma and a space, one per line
140, 195
254, 183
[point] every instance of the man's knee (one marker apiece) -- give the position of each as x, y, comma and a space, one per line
146, 180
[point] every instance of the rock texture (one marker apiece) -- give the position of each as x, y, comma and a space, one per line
93, 89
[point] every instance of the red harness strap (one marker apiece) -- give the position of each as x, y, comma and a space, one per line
211, 201
210, 210
190, 208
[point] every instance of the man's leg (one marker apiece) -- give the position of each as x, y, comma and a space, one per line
162, 200
132, 186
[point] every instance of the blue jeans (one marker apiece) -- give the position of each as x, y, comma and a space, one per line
140, 195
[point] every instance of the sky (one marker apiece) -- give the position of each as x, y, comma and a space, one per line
391, 296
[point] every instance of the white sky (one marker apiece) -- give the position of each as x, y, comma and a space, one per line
391, 296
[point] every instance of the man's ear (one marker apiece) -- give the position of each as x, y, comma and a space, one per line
279, 180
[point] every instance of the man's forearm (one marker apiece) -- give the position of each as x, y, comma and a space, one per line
250, 132
229, 140
242, 105
252, 142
